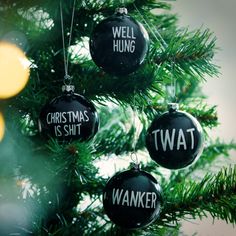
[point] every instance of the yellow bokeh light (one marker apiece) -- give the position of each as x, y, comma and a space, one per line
14, 70
2, 127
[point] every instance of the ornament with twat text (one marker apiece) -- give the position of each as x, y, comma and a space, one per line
69, 117
175, 139
119, 44
132, 199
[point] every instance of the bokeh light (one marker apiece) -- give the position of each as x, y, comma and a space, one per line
14, 70
2, 127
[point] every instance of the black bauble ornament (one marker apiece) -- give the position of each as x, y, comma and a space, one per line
132, 199
175, 139
119, 44
69, 117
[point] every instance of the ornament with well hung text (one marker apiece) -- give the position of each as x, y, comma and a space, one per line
119, 44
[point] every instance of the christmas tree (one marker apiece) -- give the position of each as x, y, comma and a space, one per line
53, 187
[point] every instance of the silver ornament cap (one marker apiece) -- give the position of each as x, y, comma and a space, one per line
121, 10
135, 166
173, 106
68, 88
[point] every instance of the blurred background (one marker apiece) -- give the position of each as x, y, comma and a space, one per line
219, 16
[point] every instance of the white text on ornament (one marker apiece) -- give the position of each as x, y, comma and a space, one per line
123, 39
123, 46
170, 139
124, 32
67, 130
69, 116
134, 198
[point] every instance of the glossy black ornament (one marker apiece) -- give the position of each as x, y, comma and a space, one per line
119, 44
69, 117
175, 139
132, 199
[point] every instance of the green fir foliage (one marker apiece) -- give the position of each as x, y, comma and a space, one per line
60, 184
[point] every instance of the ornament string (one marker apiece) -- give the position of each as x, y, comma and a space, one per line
67, 78
164, 46
134, 156
122, 3
173, 81
154, 33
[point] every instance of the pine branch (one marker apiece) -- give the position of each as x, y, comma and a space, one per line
204, 114
100, 87
108, 7
191, 53
209, 155
215, 194
64, 174
114, 138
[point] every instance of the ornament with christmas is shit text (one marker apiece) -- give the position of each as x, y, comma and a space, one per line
119, 44
132, 199
69, 117
175, 139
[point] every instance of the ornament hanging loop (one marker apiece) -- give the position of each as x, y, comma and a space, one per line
135, 163
134, 158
